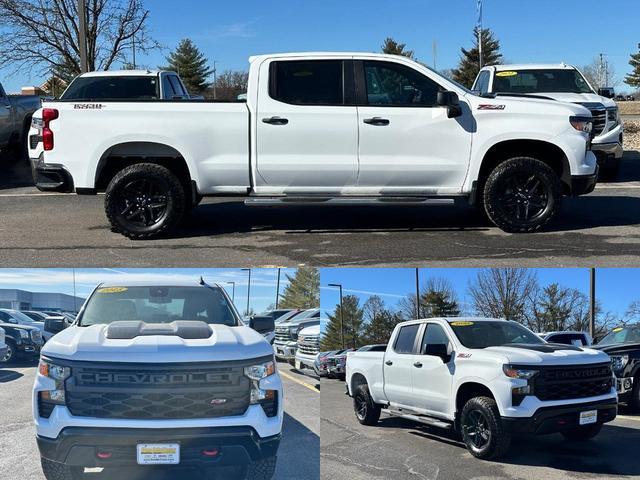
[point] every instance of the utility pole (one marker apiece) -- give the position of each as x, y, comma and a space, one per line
592, 303
215, 85
248, 288
435, 54
417, 295
278, 290
338, 285
75, 306
82, 36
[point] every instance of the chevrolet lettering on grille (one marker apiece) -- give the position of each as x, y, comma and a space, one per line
147, 378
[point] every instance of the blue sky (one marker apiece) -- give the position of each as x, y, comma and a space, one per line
615, 288
263, 280
573, 31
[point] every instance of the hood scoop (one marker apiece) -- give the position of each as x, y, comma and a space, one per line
545, 347
187, 329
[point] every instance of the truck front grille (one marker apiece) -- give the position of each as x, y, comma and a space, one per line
599, 114
282, 335
169, 391
309, 345
564, 383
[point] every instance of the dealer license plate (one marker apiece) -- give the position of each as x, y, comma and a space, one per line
588, 417
158, 454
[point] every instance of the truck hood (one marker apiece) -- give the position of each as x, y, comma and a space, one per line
22, 327
91, 344
549, 354
529, 105
618, 348
579, 98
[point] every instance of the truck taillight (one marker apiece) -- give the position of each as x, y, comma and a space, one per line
48, 114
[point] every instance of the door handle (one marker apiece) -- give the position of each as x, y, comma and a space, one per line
389, 362
377, 121
275, 120
417, 365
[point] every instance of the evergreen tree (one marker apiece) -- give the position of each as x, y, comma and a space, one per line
380, 321
391, 47
437, 299
633, 78
191, 64
353, 326
303, 290
469, 65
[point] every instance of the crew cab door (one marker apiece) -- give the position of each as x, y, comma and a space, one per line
432, 375
408, 145
5, 118
306, 127
398, 366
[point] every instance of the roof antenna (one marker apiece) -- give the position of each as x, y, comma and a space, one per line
202, 281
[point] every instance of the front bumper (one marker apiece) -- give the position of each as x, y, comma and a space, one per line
79, 446
285, 351
624, 387
583, 184
28, 349
305, 361
50, 177
607, 153
556, 419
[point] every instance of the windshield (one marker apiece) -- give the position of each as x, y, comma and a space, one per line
163, 304
540, 81
492, 334
21, 317
112, 88
622, 335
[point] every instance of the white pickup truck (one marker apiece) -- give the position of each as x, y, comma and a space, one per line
564, 83
319, 128
485, 378
161, 375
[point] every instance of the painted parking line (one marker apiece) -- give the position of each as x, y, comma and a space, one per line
625, 417
297, 380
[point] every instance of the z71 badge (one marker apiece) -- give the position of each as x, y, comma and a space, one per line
87, 106
491, 107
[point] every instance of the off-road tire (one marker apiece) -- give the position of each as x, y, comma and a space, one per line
499, 441
371, 413
263, 469
525, 167
583, 433
12, 351
59, 471
165, 181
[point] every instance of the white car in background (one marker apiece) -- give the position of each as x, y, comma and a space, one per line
308, 347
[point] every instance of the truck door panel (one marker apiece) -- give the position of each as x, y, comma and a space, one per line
398, 365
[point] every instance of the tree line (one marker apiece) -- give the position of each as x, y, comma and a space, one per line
511, 293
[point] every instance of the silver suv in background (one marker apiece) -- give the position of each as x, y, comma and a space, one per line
286, 342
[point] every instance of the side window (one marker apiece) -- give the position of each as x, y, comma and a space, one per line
5, 317
175, 83
308, 82
167, 87
406, 339
396, 85
434, 335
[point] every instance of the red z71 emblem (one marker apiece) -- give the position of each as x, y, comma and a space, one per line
491, 107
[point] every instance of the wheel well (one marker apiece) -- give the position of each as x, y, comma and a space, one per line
122, 155
546, 152
467, 391
356, 380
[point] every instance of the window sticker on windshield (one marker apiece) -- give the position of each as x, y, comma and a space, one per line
461, 324
506, 74
618, 329
112, 290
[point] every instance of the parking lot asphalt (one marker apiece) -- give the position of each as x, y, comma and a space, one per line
601, 229
298, 456
400, 449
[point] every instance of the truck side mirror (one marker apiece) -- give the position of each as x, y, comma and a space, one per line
55, 325
606, 92
262, 324
451, 101
438, 350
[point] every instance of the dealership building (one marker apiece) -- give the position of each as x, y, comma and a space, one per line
24, 300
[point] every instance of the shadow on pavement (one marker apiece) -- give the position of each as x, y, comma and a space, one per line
15, 172
629, 168
7, 376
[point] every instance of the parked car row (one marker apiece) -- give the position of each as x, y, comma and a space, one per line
288, 329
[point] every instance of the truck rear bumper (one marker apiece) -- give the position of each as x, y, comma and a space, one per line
50, 177
556, 419
80, 446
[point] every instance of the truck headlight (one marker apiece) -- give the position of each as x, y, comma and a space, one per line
58, 374
268, 399
618, 362
582, 124
613, 115
24, 334
518, 372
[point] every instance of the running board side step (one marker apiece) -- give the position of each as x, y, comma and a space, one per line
349, 201
424, 419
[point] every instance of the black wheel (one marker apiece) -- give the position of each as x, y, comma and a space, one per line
59, 471
522, 194
10, 355
481, 429
585, 432
144, 200
263, 469
367, 412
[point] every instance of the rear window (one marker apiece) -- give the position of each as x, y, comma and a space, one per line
112, 88
315, 82
155, 304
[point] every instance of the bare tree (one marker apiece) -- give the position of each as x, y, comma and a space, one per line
600, 73
43, 34
503, 292
229, 85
